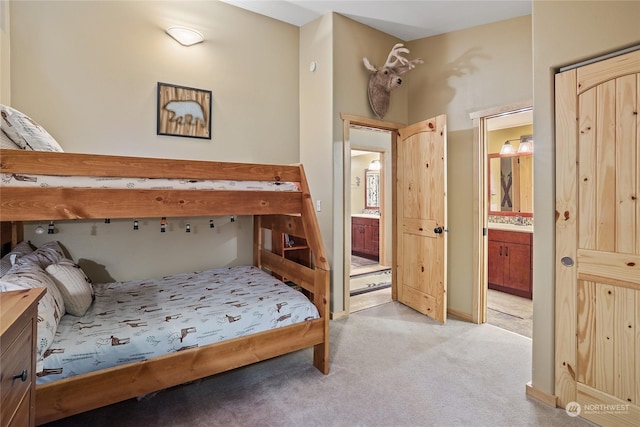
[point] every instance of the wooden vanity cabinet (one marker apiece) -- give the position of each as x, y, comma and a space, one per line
365, 237
18, 327
510, 262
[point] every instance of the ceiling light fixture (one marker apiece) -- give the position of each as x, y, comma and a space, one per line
375, 165
185, 36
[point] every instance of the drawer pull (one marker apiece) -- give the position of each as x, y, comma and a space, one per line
23, 376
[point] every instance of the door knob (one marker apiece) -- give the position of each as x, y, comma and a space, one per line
437, 230
21, 376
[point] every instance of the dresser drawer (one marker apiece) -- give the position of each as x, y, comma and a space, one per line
16, 358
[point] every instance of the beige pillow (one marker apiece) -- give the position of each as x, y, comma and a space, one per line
25, 132
74, 285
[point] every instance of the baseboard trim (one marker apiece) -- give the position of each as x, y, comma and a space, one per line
460, 315
335, 315
541, 396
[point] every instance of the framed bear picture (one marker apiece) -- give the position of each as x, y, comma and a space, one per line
184, 111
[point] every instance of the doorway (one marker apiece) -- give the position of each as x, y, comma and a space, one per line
375, 137
417, 224
503, 179
370, 266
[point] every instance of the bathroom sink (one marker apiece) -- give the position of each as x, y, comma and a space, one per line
511, 227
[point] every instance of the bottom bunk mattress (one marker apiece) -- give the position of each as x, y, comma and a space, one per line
137, 320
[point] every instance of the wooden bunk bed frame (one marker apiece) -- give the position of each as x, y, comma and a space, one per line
280, 212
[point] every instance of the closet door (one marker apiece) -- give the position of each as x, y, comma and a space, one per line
598, 241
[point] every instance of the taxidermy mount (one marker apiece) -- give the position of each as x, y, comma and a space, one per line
386, 78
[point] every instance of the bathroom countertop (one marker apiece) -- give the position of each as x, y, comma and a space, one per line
365, 216
511, 227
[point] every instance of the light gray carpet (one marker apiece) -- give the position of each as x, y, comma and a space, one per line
389, 367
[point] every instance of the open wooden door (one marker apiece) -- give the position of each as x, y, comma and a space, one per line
421, 262
597, 309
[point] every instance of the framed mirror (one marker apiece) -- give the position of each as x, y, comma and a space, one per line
511, 184
371, 189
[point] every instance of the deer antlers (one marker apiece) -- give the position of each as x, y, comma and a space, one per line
386, 78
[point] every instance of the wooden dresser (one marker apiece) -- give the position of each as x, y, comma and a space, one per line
18, 328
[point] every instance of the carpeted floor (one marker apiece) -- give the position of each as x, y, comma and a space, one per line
390, 366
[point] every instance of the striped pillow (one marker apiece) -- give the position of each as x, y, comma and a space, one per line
50, 308
74, 285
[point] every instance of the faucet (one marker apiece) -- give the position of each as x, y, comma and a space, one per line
519, 220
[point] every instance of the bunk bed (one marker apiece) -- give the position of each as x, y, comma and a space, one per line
288, 212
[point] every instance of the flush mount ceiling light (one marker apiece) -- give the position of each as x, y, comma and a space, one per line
185, 36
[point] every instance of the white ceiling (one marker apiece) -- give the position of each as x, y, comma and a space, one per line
406, 20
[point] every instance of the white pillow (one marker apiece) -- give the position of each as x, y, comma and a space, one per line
50, 308
25, 132
6, 142
48, 253
74, 285
21, 249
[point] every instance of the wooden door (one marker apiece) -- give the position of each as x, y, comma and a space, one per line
597, 309
421, 217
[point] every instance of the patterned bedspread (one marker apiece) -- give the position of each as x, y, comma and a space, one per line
137, 320
51, 181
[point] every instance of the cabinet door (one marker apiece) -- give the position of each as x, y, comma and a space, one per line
357, 238
518, 266
375, 240
495, 263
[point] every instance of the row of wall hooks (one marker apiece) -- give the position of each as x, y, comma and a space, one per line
51, 229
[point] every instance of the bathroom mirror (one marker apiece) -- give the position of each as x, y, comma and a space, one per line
511, 184
371, 189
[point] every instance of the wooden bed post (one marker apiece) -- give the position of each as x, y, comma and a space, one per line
322, 271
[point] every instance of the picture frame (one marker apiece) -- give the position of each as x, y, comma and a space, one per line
372, 189
183, 111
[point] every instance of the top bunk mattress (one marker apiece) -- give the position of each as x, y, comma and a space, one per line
55, 181
140, 319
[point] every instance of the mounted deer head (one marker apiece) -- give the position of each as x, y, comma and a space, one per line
386, 78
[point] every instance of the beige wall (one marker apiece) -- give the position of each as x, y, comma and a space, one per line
594, 28
5, 50
88, 72
337, 45
316, 121
467, 71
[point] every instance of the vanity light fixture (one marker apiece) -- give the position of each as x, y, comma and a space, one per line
375, 165
526, 144
507, 148
185, 36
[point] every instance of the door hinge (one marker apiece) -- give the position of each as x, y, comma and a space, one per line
485, 231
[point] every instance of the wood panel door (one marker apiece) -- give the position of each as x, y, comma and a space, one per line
597, 309
421, 217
